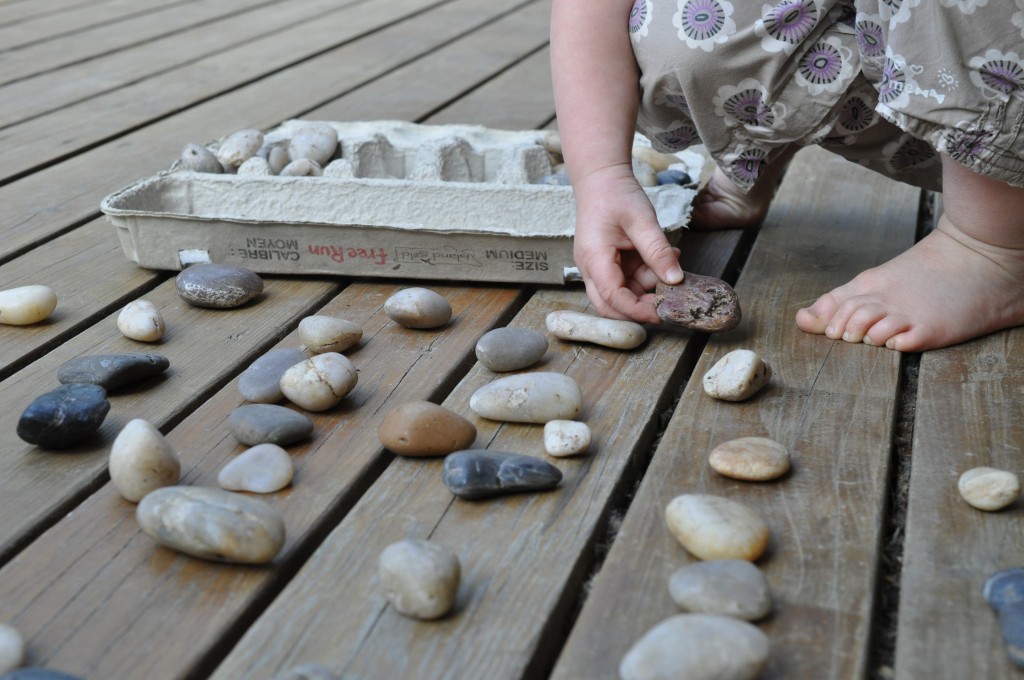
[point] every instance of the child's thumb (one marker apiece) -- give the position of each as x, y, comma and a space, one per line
659, 254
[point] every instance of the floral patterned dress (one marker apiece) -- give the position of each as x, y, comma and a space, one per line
889, 84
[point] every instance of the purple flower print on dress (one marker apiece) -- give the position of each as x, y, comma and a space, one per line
870, 39
911, 153
855, 115
791, 21
747, 166
701, 19
748, 107
639, 18
893, 81
1003, 76
678, 138
967, 146
821, 64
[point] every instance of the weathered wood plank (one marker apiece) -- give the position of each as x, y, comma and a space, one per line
73, 19
12, 11
830, 402
967, 415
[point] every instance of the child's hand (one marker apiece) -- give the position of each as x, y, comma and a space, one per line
620, 249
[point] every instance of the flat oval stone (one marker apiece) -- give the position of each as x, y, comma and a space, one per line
328, 334
418, 308
422, 428
261, 382
212, 524
728, 587
420, 578
700, 303
989, 489
479, 473
566, 437
218, 286
265, 468
737, 376
716, 528
142, 460
528, 398
254, 424
64, 417
26, 305
579, 327
141, 320
12, 648
510, 349
112, 371
321, 382
753, 459
697, 647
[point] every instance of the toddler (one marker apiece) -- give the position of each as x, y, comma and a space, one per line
928, 92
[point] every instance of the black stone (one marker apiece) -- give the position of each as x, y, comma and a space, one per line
254, 424
1004, 590
37, 674
64, 416
478, 473
112, 371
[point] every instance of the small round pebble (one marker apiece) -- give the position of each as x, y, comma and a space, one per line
566, 437
420, 578
64, 417
752, 459
737, 376
265, 468
716, 528
989, 489
727, 587
674, 176
218, 286
12, 648
142, 460
254, 424
419, 308
321, 334
422, 428
261, 382
26, 305
511, 349
321, 382
140, 320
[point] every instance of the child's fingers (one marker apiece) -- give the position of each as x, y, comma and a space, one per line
657, 252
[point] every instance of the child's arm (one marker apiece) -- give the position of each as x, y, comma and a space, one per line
620, 249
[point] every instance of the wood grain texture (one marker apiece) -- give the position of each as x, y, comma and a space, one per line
72, 19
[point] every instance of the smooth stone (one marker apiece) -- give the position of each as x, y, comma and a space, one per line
12, 648
64, 417
566, 437
989, 489
328, 334
238, 147
422, 428
734, 588
737, 376
212, 524
307, 671
580, 327
716, 528
674, 176
265, 468
697, 647
199, 159
320, 382
112, 371
141, 461
656, 159
1004, 591
26, 305
140, 320
479, 473
528, 398
254, 424
420, 578
510, 349
261, 382
700, 303
218, 286
37, 674
555, 179
418, 308
752, 459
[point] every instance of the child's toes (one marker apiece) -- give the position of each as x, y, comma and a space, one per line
889, 331
814, 319
861, 321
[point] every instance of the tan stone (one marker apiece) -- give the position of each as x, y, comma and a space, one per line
752, 459
422, 428
989, 489
716, 528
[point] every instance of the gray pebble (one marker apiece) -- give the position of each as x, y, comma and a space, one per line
254, 424
64, 416
261, 382
479, 473
112, 371
218, 285
1004, 591
734, 588
510, 349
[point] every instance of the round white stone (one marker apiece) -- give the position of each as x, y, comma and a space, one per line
728, 587
716, 528
420, 578
140, 320
328, 334
989, 489
737, 376
265, 468
320, 382
26, 305
418, 308
12, 648
528, 398
579, 327
566, 437
142, 460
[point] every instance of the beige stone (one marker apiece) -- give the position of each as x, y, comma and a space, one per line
579, 327
737, 376
419, 308
321, 334
420, 578
320, 382
26, 305
536, 397
566, 438
716, 528
141, 320
752, 459
142, 460
264, 468
422, 428
989, 489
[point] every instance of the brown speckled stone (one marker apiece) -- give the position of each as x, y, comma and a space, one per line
701, 303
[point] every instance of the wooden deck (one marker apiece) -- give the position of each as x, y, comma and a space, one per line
875, 562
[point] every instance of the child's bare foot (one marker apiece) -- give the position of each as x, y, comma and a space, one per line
720, 204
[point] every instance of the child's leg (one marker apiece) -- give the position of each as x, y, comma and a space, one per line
963, 280
720, 204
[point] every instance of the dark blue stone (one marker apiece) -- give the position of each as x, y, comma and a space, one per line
37, 674
1004, 590
64, 416
478, 473
673, 176
112, 371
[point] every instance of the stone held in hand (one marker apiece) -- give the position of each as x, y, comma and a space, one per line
566, 438
141, 320
217, 286
737, 376
26, 305
320, 382
422, 428
261, 382
511, 348
989, 489
142, 460
112, 371
64, 417
212, 524
479, 473
418, 308
264, 468
716, 528
529, 398
253, 424
579, 327
700, 303
727, 587
752, 459
420, 578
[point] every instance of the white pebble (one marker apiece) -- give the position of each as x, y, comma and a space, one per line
12, 648
716, 528
320, 382
141, 460
566, 437
239, 147
26, 305
737, 376
614, 333
418, 308
321, 334
265, 468
420, 578
528, 398
989, 489
140, 320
